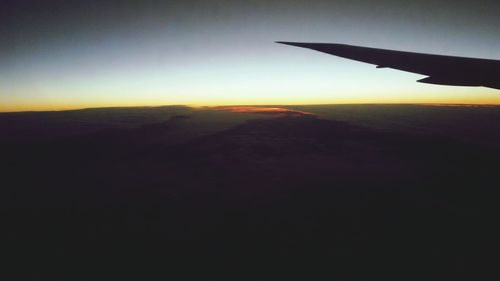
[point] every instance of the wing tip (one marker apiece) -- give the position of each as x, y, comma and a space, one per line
296, 44
314, 46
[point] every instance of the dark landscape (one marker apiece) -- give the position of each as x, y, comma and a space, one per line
334, 192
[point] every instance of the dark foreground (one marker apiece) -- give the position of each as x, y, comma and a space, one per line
360, 192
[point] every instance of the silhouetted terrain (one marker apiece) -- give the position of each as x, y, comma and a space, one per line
347, 192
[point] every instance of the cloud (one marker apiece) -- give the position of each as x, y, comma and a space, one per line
264, 110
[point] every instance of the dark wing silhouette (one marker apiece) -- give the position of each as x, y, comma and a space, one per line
439, 69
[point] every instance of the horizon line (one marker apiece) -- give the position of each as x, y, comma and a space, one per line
253, 105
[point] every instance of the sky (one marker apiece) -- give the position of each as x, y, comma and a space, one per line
61, 54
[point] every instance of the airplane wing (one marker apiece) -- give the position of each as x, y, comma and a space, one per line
439, 69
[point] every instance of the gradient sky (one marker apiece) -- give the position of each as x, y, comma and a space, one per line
70, 54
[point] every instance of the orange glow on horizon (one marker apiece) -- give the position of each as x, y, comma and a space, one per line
243, 108
234, 102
